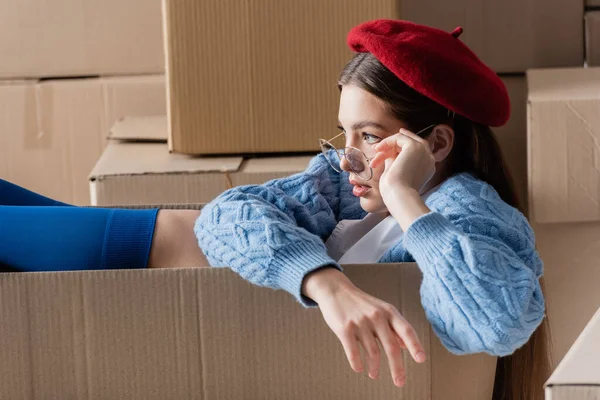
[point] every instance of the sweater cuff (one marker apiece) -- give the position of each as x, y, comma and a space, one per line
128, 238
429, 238
294, 262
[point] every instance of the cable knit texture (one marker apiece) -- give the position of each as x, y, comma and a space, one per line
480, 289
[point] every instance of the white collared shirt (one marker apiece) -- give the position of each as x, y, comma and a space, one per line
365, 241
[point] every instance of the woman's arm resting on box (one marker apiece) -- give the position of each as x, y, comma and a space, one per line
272, 234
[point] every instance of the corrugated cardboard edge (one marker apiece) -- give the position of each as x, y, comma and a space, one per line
167, 206
168, 71
115, 152
556, 378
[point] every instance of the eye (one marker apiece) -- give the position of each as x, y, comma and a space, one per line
370, 139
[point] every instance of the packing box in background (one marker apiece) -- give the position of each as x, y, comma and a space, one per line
578, 375
571, 256
563, 144
258, 77
133, 172
512, 137
592, 38
53, 132
206, 334
511, 36
270, 85
80, 37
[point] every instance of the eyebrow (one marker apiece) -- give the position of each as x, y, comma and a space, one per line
363, 124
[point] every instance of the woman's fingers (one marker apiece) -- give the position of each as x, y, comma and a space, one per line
372, 352
393, 349
350, 344
409, 336
389, 148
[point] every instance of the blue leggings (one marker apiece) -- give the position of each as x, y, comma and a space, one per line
41, 234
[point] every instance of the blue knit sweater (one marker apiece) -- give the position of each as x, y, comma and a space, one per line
480, 289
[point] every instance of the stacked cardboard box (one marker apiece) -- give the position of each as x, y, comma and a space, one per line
47, 39
592, 38
564, 192
52, 132
137, 168
269, 84
70, 69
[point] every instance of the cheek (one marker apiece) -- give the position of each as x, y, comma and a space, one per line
377, 174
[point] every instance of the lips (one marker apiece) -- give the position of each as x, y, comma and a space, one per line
359, 190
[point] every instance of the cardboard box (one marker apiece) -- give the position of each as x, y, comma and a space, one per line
512, 137
592, 3
206, 334
270, 85
258, 78
511, 36
571, 256
592, 38
133, 172
563, 144
53, 132
578, 375
80, 38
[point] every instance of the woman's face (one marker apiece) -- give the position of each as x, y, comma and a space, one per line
365, 121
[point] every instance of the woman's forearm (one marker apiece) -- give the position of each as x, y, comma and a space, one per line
406, 206
324, 282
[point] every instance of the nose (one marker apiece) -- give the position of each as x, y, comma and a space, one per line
353, 161
345, 165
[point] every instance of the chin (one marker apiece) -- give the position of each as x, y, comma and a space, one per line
373, 205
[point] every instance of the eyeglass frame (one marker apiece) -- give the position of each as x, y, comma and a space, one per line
323, 141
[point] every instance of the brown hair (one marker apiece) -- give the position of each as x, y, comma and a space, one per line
475, 150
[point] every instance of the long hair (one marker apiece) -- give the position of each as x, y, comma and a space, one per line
520, 376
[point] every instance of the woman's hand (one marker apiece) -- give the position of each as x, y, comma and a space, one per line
359, 319
409, 166
409, 163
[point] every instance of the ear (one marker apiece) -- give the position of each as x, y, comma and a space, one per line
441, 141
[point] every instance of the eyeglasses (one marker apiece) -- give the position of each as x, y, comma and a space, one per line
357, 160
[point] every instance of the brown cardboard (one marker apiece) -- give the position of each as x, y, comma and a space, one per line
592, 38
511, 36
563, 144
269, 84
205, 334
134, 172
512, 137
571, 256
53, 132
592, 3
578, 375
257, 78
142, 129
80, 38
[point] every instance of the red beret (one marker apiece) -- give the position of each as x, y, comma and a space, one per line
438, 65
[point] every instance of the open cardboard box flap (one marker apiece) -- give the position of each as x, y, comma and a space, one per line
205, 333
578, 374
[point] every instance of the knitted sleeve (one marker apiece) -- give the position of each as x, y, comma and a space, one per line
481, 289
272, 234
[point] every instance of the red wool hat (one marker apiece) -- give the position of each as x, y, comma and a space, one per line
438, 65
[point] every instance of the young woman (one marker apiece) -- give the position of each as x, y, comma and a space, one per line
420, 177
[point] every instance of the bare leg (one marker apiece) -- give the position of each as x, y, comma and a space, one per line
174, 244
